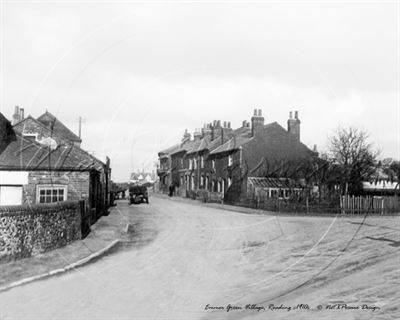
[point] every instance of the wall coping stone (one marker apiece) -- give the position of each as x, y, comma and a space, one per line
41, 208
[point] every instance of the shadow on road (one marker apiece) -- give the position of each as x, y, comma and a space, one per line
393, 243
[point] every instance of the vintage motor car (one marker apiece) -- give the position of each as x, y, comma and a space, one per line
138, 193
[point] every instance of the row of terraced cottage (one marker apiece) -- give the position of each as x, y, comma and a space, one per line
232, 164
51, 190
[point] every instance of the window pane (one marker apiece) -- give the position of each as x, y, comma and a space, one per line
48, 192
61, 192
41, 199
42, 192
60, 198
54, 192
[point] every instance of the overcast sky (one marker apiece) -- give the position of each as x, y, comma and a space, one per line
139, 73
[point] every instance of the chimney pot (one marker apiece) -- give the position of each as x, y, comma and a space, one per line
259, 113
229, 125
22, 113
255, 112
16, 110
290, 114
296, 114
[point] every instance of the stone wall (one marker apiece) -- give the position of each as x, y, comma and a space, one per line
29, 230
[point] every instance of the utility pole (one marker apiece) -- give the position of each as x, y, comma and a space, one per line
80, 120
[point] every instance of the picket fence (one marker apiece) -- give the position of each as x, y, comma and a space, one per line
370, 205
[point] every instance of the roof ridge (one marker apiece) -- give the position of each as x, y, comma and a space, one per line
55, 121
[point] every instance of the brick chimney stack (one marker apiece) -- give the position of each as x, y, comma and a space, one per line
197, 134
206, 130
257, 122
215, 129
186, 136
16, 115
294, 124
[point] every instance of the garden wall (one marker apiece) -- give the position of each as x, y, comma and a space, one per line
29, 230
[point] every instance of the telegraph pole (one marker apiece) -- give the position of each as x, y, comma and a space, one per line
80, 120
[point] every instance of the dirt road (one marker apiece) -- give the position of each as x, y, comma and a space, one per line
196, 262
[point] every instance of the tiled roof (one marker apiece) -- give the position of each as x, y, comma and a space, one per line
232, 144
239, 137
27, 154
203, 145
57, 127
187, 146
279, 183
170, 150
242, 131
214, 144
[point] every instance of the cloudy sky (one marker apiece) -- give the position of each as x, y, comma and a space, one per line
139, 73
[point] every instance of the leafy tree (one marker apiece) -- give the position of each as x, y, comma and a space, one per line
350, 150
392, 169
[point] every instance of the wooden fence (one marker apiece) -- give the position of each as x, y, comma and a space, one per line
371, 205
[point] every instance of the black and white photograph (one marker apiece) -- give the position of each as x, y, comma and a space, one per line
199, 160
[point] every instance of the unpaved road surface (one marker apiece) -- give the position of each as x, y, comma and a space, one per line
190, 261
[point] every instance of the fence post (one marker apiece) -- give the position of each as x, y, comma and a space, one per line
307, 205
85, 219
341, 204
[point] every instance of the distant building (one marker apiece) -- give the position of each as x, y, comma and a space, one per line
220, 159
142, 177
381, 184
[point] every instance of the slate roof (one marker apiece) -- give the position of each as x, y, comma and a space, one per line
279, 183
19, 127
170, 150
231, 144
57, 127
27, 154
240, 137
202, 145
242, 131
187, 146
45, 131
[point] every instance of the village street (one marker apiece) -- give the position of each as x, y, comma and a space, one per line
197, 258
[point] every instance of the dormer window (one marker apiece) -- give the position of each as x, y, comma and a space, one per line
50, 142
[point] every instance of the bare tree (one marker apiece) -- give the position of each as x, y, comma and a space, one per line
350, 150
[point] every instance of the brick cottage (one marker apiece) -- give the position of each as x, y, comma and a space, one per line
220, 159
42, 165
